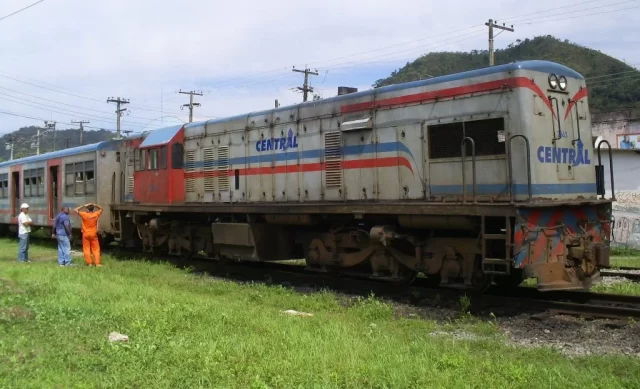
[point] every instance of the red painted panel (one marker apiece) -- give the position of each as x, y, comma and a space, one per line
161, 186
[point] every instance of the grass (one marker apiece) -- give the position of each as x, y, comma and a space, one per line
189, 331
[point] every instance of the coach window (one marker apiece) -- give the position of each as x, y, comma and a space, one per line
136, 160
153, 159
90, 179
177, 156
163, 157
80, 178
79, 171
69, 180
143, 160
26, 189
40, 179
4, 185
488, 136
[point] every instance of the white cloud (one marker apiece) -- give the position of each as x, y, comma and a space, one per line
132, 48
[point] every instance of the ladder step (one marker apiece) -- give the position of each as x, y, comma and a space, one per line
495, 236
496, 261
496, 266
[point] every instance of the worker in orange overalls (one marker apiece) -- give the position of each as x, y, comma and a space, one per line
90, 242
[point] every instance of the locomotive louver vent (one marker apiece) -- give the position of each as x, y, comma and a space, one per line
190, 168
223, 168
130, 184
209, 170
333, 159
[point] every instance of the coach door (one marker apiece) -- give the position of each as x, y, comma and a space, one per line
53, 190
15, 199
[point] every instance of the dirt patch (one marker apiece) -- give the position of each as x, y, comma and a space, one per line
15, 313
572, 335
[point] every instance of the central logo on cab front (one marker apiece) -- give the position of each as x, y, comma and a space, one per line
282, 143
564, 155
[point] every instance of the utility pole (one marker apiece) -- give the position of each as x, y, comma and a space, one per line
305, 87
119, 111
38, 142
81, 122
491, 25
10, 147
51, 126
191, 103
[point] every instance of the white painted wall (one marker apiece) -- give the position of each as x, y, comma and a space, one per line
626, 208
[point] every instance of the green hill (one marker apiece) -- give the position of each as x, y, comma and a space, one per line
24, 137
619, 89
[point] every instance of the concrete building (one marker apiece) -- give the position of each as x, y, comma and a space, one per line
622, 131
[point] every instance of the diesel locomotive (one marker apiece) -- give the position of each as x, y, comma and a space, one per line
484, 176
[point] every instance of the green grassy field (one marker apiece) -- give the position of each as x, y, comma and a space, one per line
189, 331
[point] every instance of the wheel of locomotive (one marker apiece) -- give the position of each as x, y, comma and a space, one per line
406, 276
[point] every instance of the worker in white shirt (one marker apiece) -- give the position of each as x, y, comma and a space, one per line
24, 228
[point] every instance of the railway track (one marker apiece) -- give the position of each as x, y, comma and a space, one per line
497, 301
632, 274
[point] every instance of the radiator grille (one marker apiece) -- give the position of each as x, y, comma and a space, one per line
223, 168
190, 168
209, 170
333, 158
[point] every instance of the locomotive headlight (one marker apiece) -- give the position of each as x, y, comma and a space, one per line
553, 81
562, 82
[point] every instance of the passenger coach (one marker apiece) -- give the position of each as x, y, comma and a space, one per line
47, 182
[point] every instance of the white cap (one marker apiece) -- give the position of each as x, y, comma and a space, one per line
24, 205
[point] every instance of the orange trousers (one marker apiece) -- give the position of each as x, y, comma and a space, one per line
90, 245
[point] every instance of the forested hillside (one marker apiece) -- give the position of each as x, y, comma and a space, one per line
611, 82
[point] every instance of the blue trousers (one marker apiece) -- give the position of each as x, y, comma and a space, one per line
23, 248
64, 250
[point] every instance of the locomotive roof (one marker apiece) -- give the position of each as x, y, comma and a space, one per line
161, 136
57, 154
534, 65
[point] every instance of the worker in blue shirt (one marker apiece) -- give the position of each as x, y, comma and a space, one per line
62, 232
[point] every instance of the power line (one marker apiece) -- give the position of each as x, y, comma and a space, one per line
61, 103
20, 10
41, 119
512, 19
59, 110
536, 21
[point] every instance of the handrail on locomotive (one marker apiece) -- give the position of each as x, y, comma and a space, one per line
600, 172
473, 167
510, 166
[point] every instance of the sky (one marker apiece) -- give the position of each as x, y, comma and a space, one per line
61, 60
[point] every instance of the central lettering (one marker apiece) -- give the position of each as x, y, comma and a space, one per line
282, 143
565, 155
